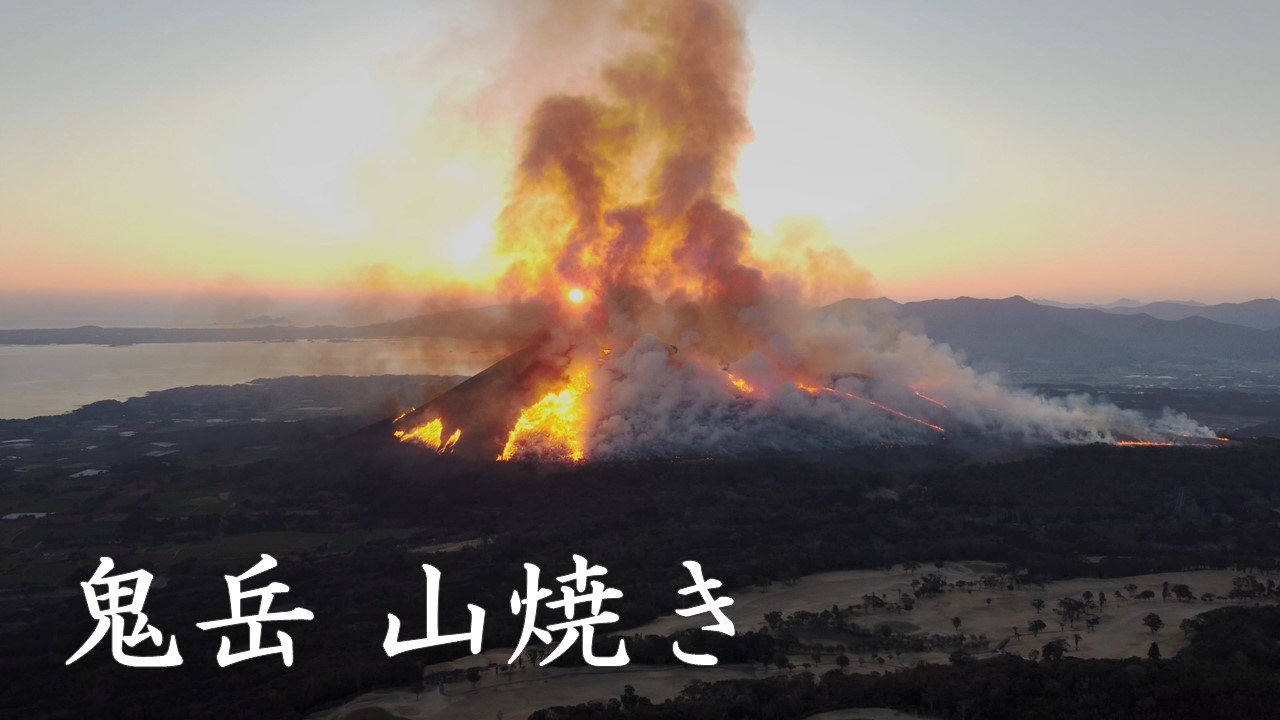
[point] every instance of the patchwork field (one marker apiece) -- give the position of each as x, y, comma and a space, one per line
990, 613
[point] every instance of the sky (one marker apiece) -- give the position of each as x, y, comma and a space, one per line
156, 156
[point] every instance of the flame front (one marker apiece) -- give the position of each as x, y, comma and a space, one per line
554, 427
815, 391
431, 435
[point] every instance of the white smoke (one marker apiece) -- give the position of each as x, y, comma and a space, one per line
881, 385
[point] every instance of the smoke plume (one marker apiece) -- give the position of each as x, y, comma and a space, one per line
673, 338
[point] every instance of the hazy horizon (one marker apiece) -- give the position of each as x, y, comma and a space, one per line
45, 310
1081, 153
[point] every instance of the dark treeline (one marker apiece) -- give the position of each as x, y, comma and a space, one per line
749, 522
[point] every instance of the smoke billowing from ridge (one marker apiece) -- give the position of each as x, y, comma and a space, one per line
686, 343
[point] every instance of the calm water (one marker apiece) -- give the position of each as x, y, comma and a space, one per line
50, 379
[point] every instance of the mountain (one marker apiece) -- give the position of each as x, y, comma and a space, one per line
518, 323
1016, 331
1261, 314
1121, 303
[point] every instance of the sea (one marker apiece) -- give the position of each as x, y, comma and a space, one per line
52, 379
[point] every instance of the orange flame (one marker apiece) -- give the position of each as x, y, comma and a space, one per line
742, 385
554, 427
923, 423
431, 435
1142, 443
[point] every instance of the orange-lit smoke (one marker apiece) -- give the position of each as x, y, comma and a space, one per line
620, 218
625, 191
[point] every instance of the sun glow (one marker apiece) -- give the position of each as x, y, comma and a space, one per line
576, 296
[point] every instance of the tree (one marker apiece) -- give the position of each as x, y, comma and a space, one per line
1153, 622
1131, 589
1146, 595
629, 697
842, 661
1187, 626
1035, 626
871, 602
1038, 604
955, 623
1077, 639
773, 619
1055, 649
473, 676
1164, 590
1182, 592
1070, 609
781, 661
1153, 652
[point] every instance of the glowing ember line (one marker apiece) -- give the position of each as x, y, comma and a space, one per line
924, 423
431, 435
922, 396
1142, 443
553, 427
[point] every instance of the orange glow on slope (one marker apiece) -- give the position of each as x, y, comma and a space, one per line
924, 423
741, 384
431, 435
554, 427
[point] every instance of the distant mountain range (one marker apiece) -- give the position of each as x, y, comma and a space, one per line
1260, 314
1015, 331
1008, 332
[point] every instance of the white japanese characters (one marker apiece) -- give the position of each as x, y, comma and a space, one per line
393, 645
110, 612
115, 600
254, 622
716, 606
573, 593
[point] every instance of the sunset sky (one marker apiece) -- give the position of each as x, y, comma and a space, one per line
1079, 151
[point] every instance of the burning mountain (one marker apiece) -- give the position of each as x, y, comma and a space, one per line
668, 337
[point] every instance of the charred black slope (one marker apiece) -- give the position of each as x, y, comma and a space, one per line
486, 406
